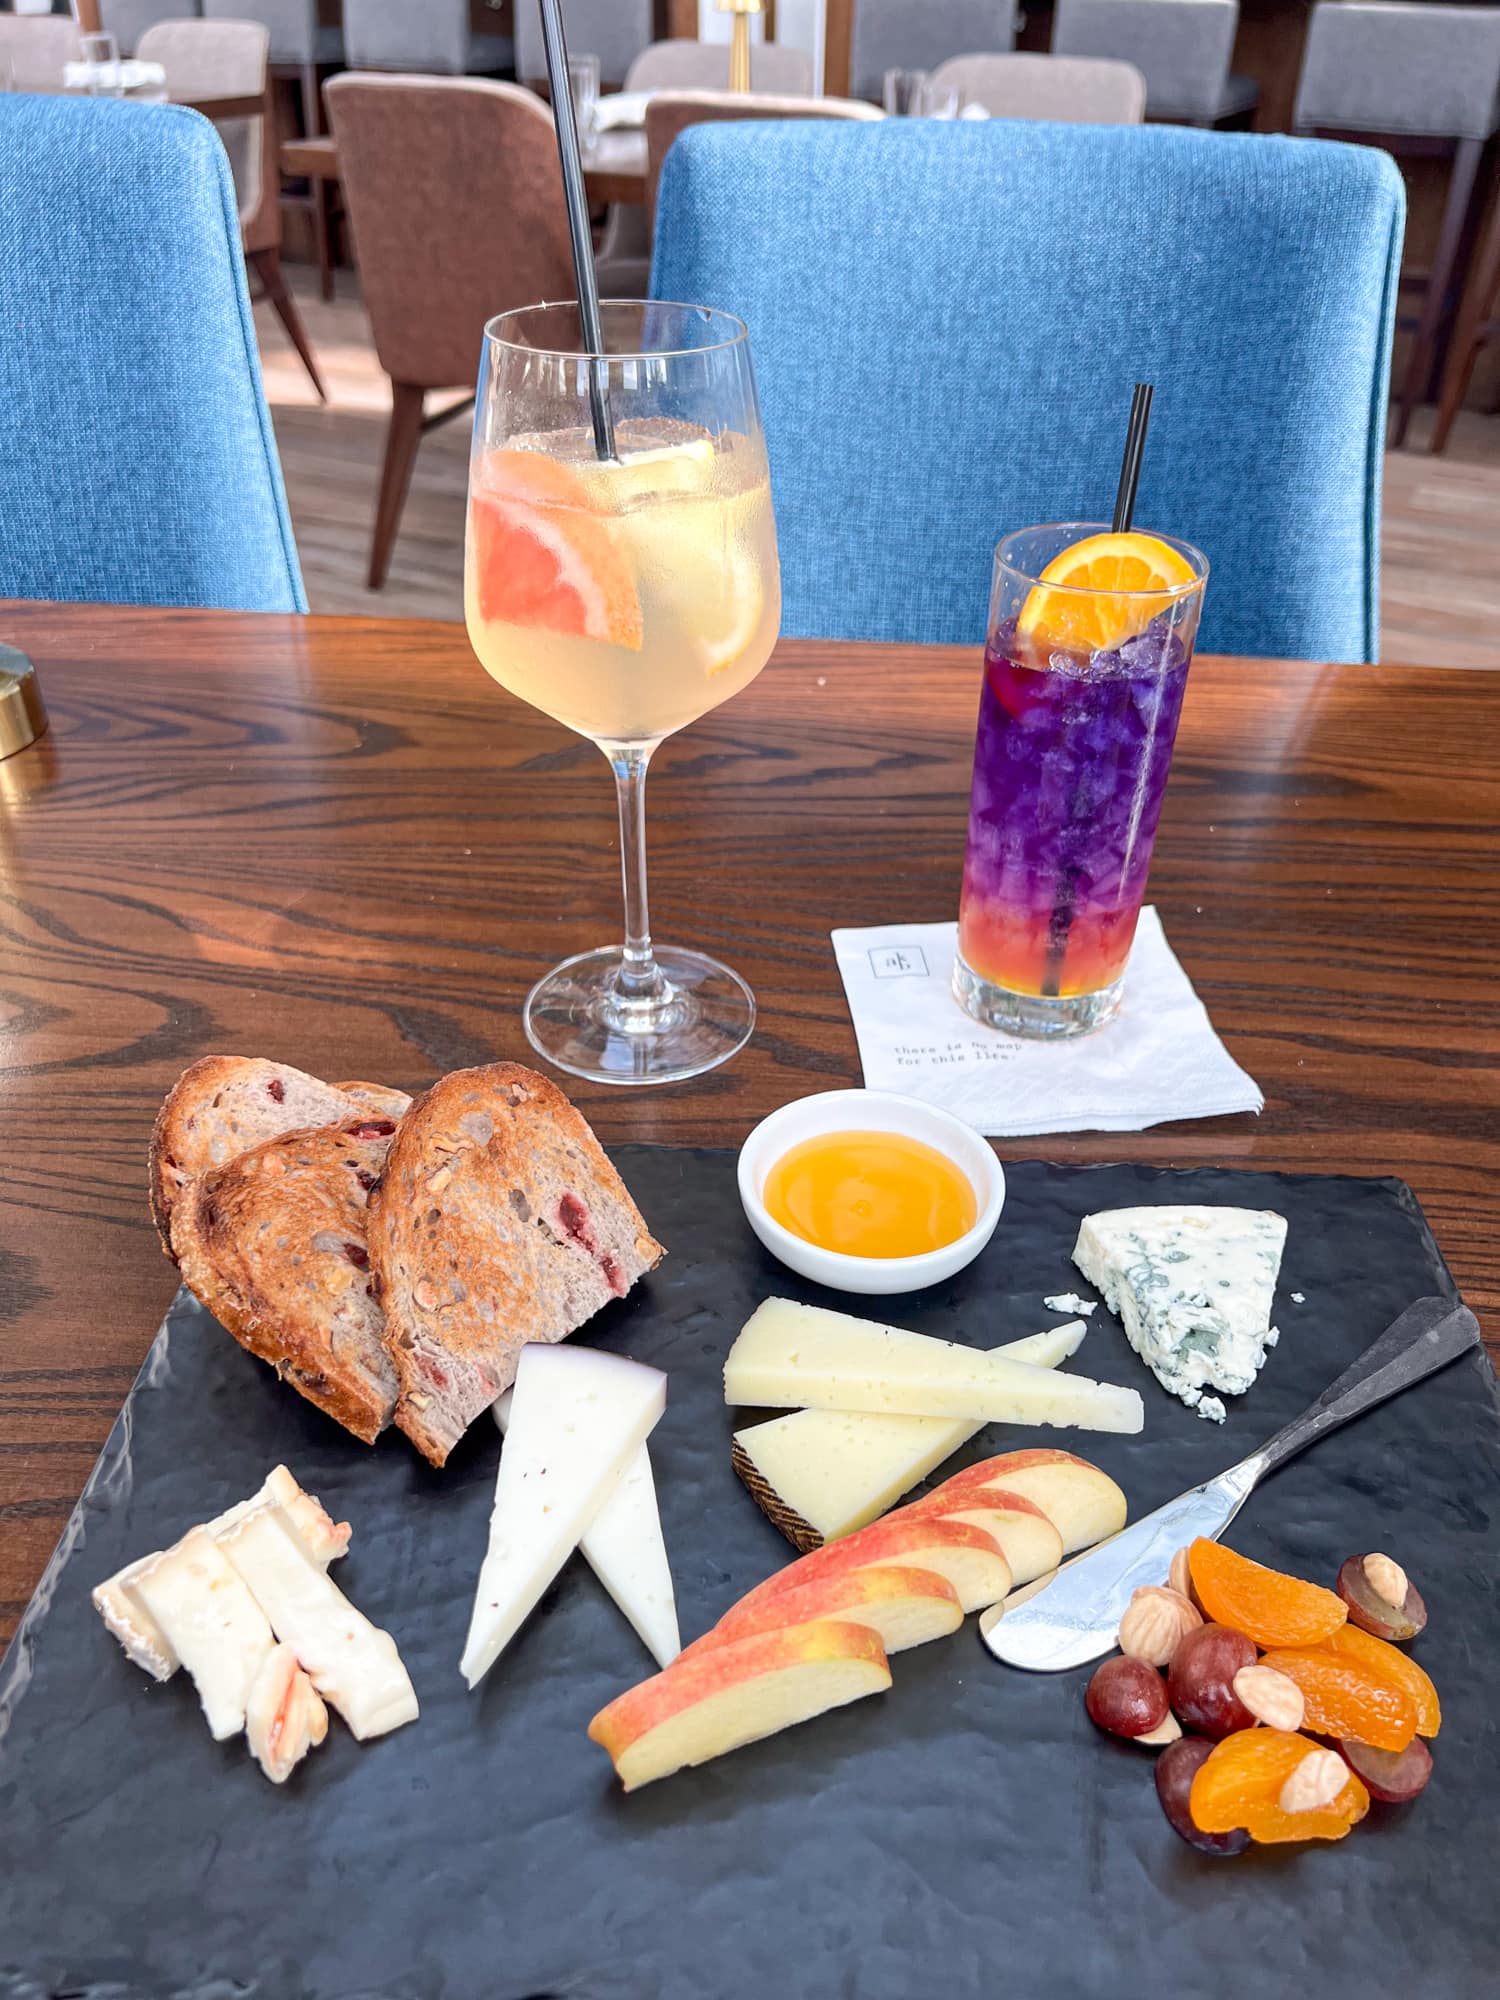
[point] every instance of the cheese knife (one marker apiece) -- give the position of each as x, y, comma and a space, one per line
1076, 1616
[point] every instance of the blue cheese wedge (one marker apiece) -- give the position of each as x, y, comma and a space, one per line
1193, 1288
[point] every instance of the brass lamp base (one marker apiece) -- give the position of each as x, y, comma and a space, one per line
23, 714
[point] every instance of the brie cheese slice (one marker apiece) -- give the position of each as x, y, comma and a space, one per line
119, 1603
1194, 1290
212, 1623
351, 1663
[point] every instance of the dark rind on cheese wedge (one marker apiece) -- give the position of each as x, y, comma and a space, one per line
801, 1534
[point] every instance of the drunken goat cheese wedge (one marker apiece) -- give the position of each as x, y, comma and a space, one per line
625, 1550
1193, 1288
819, 1474
351, 1663
213, 1624
577, 1419
808, 1358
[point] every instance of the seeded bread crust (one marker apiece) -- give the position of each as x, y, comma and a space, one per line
498, 1221
274, 1244
377, 1100
224, 1105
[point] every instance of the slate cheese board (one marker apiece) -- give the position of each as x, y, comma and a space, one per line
968, 1833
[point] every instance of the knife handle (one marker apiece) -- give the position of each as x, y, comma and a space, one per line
1426, 1337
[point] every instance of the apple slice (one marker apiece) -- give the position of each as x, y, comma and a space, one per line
906, 1607
1029, 1542
1082, 1503
726, 1696
967, 1557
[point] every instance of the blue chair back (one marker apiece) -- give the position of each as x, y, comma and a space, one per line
138, 465
946, 321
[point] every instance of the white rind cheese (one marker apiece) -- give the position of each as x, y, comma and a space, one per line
1194, 1289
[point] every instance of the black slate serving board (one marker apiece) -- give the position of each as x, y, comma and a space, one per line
966, 1834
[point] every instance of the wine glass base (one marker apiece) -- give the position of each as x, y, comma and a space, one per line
1031, 1015
576, 1018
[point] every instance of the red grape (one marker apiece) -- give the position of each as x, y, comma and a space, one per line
1370, 1611
1200, 1683
1176, 1768
1127, 1697
1392, 1775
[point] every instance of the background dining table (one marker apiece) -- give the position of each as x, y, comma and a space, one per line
336, 842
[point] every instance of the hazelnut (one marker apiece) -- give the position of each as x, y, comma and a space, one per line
1166, 1731
1272, 1697
1387, 1579
1155, 1621
1317, 1781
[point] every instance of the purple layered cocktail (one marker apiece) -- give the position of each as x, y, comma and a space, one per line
1078, 712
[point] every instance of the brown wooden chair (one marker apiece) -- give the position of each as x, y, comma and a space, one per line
1477, 324
456, 209
671, 112
230, 59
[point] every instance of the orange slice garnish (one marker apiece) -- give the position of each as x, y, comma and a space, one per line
1106, 592
546, 557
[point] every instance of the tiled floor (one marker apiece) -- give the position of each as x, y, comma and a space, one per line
1440, 593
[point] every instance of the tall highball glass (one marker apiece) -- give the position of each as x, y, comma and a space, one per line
625, 596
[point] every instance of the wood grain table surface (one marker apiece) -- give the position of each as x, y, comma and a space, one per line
615, 169
336, 842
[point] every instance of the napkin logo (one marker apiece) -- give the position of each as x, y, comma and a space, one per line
899, 961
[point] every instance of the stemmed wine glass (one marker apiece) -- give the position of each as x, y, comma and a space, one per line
624, 592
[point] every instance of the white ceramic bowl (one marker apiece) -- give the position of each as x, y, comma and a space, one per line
870, 1111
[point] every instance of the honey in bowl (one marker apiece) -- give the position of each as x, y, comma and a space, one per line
870, 1194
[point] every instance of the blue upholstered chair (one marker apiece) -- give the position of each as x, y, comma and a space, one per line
139, 465
947, 318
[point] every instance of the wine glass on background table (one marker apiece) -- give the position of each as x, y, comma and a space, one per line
624, 595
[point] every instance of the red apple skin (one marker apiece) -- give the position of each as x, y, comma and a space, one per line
894, 1540
854, 1596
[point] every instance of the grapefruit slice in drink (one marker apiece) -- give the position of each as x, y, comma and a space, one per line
1107, 588
546, 557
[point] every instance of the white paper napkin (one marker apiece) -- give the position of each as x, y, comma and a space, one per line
1159, 1058
622, 110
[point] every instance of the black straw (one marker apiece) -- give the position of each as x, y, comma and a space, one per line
578, 226
1135, 445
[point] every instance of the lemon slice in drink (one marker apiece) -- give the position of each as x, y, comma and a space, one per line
1106, 589
730, 631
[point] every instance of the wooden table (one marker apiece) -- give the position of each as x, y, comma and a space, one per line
614, 171
334, 841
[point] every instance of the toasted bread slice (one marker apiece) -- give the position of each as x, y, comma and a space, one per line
224, 1105
273, 1243
377, 1100
498, 1221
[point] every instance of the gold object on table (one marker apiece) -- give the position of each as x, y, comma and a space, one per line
739, 39
23, 714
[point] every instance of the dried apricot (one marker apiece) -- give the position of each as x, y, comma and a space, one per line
1275, 1610
1345, 1698
1241, 1780
1389, 1663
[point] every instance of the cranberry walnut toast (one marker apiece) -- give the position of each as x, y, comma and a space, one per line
498, 1221
224, 1105
274, 1244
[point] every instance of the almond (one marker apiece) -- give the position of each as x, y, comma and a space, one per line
1272, 1697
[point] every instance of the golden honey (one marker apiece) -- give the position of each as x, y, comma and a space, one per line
870, 1194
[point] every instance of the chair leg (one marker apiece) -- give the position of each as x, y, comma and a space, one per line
313, 123
268, 267
401, 442
1478, 300
1435, 303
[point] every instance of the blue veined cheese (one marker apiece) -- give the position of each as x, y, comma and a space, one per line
1193, 1288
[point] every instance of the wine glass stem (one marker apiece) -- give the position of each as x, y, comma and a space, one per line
642, 989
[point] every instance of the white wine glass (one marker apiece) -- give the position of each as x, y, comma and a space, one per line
625, 596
